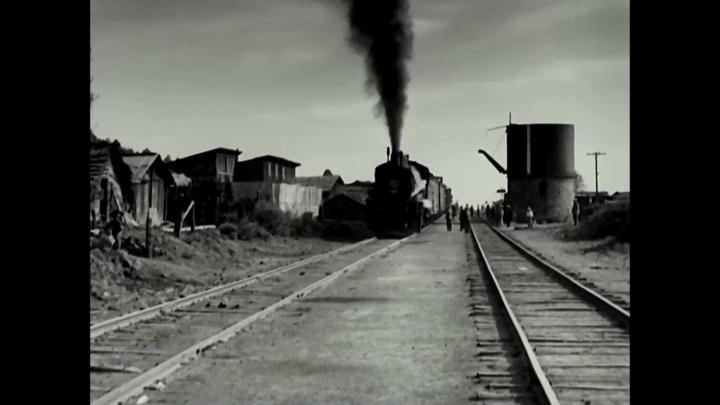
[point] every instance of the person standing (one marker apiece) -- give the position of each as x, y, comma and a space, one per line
508, 215
114, 228
448, 220
530, 216
575, 211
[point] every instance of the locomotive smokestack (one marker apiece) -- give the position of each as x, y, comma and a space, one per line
382, 31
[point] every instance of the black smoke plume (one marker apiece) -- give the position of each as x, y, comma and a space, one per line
382, 31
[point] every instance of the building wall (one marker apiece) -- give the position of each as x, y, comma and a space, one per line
209, 173
141, 203
108, 198
199, 166
552, 205
225, 166
265, 170
279, 173
287, 197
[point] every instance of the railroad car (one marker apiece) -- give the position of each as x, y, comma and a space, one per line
405, 197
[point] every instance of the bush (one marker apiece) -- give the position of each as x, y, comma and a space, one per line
305, 226
272, 219
228, 229
247, 230
244, 208
606, 220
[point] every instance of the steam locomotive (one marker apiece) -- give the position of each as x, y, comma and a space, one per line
406, 196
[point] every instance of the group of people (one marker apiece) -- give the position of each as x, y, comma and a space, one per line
503, 214
465, 213
500, 214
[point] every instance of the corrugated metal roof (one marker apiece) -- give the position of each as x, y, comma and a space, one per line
99, 163
325, 183
141, 163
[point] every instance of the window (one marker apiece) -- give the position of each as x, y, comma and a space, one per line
277, 171
269, 168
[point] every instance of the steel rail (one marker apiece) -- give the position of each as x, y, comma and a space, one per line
605, 305
538, 374
164, 369
151, 312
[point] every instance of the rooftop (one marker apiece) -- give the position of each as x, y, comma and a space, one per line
228, 151
355, 192
140, 164
272, 158
322, 182
359, 198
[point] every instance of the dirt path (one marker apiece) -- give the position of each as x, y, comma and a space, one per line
122, 283
396, 331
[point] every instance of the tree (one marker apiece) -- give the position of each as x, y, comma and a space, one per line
579, 182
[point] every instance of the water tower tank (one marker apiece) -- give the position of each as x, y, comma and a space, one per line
541, 169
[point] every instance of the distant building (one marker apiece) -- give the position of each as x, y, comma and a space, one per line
328, 183
211, 173
179, 197
349, 203
623, 196
110, 180
272, 179
585, 198
151, 181
265, 168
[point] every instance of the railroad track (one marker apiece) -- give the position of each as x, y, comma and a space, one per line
604, 288
135, 352
574, 343
108, 325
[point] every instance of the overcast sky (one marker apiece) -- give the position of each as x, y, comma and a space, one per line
277, 77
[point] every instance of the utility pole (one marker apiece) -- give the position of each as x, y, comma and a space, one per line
596, 154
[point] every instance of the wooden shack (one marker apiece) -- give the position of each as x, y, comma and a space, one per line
211, 173
151, 181
328, 183
266, 168
348, 204
110, 180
